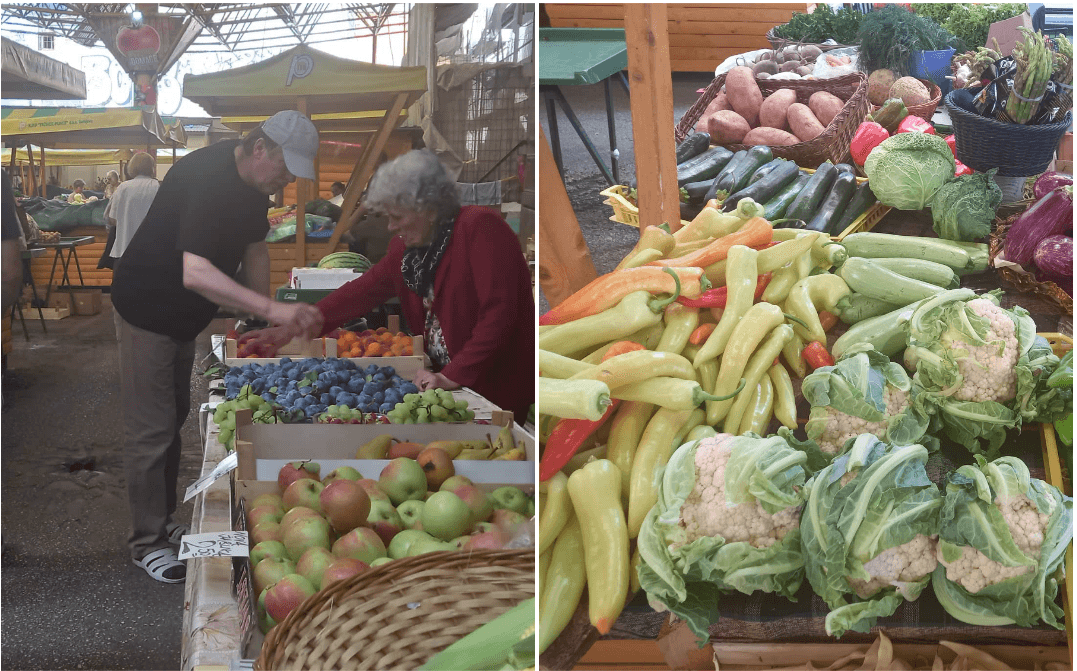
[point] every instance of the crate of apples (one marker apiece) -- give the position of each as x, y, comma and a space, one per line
314, 531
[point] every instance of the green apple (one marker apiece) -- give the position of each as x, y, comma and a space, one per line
424, 545
455, 481
342, 473
445, 516
398, 547
403, 479
267, 549
380, 560
511, 498
411, 512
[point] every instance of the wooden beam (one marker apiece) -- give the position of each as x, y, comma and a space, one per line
652, 115
565, 264
44, 181
364, 169
300, 203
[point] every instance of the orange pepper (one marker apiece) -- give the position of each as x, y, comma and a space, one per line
608, 290
622, 347
756, 231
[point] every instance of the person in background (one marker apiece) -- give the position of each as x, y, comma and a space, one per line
76, 192
126, 209
11, 263
461, 279
338, 193
208, 217
112, 181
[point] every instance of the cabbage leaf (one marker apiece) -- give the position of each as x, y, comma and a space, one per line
964, 207
907, 169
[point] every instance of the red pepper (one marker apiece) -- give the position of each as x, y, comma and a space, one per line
716, 298
952, 141
565, 440
827, 320
814, 354
868, 135
702, 332
962, 169
915, 124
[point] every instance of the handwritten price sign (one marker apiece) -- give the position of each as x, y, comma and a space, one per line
223, 544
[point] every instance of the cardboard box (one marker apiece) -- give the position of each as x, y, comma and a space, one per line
406, 366
1007, 34
263, 449
321, 278
60, 299
87, 302
54, 313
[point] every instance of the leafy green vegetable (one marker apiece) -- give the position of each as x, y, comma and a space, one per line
687, 574
889, 36
964, 207
907, 169
969, 22
822, 24
994, 508
867, 532
863, 385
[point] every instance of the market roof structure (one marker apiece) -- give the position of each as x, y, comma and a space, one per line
29, 74
330, 84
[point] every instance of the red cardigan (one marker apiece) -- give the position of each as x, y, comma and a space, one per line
482, 297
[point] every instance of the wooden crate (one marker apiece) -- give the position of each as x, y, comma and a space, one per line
55, 313
406, 366
701, 36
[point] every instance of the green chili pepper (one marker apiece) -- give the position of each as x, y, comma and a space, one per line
632, 367
811, 294
741, 278
784, 398
757, 322
669, 392
625, 430
680, 322
755, 370
632, 314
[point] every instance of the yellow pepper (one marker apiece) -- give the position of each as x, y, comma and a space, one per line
556, 509
563, 587
595, 492
627, 426
653, 452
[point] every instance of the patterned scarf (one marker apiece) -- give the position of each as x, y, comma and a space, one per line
420, 264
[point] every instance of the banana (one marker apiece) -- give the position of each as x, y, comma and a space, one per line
515, 454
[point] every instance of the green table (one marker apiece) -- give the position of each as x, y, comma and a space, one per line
581, 56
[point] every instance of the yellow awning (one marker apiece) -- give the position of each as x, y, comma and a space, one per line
88, 128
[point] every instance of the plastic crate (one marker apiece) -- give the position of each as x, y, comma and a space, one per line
624, 212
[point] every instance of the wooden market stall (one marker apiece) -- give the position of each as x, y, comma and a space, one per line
321, 86
81, 136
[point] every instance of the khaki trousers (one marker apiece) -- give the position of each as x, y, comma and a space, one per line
155, 392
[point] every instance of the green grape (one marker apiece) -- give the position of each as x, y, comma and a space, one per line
412, 397
219, 414
225, 436
461, 404
411, 420
229, 423
439, 413
430, 397
445, 396
469, 415
422, 416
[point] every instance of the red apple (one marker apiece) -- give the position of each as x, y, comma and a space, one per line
289, 473
266, 531
342, 569
270, 570
403, 480
342, 473
267, 549
297, 513
375, 492
345, 503
256, 516
385, 520
303, 492
438, 466
266, 500
491, 540
481, 506
508, 521
454, 482
313, 564
286, 594
360, 543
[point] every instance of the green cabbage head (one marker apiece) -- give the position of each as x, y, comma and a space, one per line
907, 169
964, 207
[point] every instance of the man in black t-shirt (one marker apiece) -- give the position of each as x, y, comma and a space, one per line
208, 218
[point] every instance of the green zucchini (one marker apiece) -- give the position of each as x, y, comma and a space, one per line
811, 196
858, 205
690, 211
845, 167
856, 308
885, 245
866, 277
887, 333
775, 207
766, 188
890, 114
925, 271
727, 170
697, 191
737, 178
693, 145
834, 204
708, 164
762, 172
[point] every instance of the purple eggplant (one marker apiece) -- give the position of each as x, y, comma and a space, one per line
1048, 182
1054, 255
1050, 215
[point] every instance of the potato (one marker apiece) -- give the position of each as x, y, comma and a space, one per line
789, 66
762, 75
809, 52
804, 70
772, 111
769, 136
765, 67
727, 127
802, 122
744, 94
825, 106
767, 55
791, 53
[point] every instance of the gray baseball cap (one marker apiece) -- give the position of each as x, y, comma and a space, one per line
297, 137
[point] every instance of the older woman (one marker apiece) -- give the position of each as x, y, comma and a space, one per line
112, 181
461, 280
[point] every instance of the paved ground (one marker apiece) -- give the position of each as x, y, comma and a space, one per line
71, 597
608, 241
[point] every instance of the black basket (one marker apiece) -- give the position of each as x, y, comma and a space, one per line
1017, 150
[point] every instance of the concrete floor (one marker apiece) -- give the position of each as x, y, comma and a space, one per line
607, 241
71, 597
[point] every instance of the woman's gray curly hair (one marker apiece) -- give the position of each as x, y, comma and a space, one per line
415, 181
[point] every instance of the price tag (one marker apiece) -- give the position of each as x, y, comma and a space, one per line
226, 466
223, 544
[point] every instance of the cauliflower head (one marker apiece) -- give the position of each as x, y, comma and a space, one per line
708, 511
898, 566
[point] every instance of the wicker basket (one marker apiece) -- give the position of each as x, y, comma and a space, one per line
1026, 282
1017, 150
371, 621
781, 42
834, 141
923, 110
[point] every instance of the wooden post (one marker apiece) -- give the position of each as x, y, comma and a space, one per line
647, 38
565, 264
30, 171
301, 197
44, 182
364, 169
